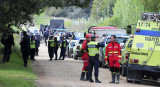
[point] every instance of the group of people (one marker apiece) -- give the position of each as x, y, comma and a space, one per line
54, 44
29, 47
89, 50
90, 56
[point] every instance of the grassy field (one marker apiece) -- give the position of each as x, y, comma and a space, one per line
13, 74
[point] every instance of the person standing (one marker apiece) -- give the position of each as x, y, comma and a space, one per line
56, 47
8, 41
25, 47
63, 44
85, 58
37, 42
32, 48
73, 36
113, 54
51, 47
46, 37
93, 51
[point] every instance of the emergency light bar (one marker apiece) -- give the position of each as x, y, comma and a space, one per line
150, 16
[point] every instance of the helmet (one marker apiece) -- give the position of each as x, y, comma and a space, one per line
88, 35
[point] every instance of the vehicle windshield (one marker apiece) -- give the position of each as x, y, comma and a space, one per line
118, 39
81, 41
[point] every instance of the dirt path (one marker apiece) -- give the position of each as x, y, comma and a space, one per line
66, 73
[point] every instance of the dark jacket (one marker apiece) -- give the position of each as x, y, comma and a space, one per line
8, 40
37, 42
25, 44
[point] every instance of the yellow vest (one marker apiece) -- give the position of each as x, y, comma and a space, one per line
93, 50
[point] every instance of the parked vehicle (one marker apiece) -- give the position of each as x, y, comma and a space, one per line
104, 31
144, 60
125, 51
70, 47
78, 35
76, 49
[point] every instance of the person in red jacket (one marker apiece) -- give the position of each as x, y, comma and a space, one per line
113, 55
85, 58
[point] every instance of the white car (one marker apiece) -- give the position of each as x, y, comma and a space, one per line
77, 48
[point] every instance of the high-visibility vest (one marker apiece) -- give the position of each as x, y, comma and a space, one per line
93, 50
32, 44
52, 43
64, 43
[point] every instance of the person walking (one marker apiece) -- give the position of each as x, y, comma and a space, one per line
63, 44
113, 54
8, 41
25, 47
93, 51
32, 48
85, 58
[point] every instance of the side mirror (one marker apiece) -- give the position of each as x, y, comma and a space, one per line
129, 28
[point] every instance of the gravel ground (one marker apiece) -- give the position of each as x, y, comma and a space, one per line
66, 73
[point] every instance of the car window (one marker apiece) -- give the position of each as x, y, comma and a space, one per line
130, 44
118, 39
140, 45
81, 41
104, 40
124, 46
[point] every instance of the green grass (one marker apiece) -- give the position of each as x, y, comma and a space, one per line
42, 19
13, 74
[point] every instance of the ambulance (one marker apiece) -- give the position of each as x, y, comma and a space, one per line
144, 59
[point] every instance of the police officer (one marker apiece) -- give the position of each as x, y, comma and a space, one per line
46, 37
113, 54
7, 40
63, 44
85, 58
73, 36
51, 46
25, 47
93, 51
32, 48
56, 47
37, 41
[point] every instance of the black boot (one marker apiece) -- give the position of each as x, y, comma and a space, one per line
96, 80
113, 77
82, 76
87, 77
118, 76
90, 79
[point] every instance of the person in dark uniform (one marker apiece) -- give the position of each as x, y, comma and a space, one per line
73, 36
63, 44
93, 51
51, 46
25, 47
56, 48
8, 41
32, 48
37, 41
46, 37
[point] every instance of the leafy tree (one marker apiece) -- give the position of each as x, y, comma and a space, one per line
151, 5
18, 12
